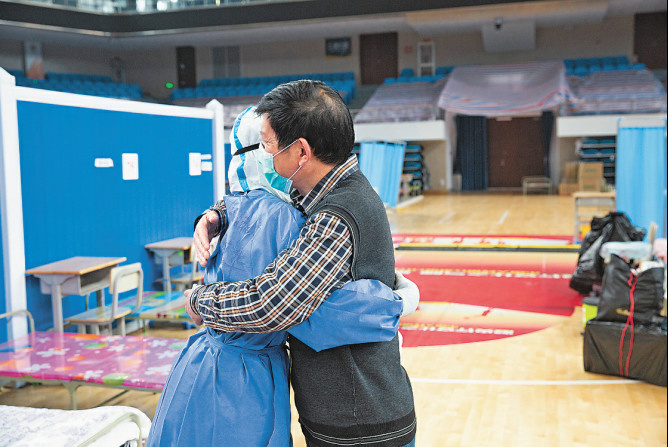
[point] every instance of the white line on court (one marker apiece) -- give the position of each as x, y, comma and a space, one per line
447, 217
526, 382
503, 217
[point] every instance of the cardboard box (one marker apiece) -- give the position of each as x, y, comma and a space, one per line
590, 170
571, 172
590, 185
567, 189
590, 177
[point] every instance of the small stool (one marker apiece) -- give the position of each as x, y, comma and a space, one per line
536, 183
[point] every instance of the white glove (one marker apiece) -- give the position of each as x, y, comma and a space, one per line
408, 291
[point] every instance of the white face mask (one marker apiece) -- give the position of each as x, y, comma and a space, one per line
266, 167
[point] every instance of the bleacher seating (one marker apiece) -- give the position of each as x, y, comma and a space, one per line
239, 93
444, 71
409, 98
617, 91
84, 84
586, 66
234, 105
344, 83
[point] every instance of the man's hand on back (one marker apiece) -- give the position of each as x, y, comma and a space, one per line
193, 316
206, 229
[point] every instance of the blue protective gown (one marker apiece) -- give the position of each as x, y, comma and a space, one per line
231, 389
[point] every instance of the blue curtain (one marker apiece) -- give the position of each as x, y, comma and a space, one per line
546, 128
3, 301
471, 156
640, 175
382, 164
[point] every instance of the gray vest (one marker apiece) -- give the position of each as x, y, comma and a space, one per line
358, 391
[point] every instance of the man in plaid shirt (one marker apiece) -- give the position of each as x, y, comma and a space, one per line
350, 395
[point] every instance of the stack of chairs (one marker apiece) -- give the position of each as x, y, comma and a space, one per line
415, 166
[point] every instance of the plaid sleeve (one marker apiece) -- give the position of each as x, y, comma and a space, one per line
289, 289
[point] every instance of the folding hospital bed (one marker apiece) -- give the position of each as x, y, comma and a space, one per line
73, 360
113, 426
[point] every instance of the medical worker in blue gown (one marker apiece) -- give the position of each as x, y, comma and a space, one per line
231, 389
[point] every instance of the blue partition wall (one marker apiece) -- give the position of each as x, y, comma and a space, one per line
3, 304
71, 208
640, 176
382, 164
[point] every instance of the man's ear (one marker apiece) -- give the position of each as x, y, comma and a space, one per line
306, 151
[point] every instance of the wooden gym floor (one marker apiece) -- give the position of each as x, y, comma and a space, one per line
527, 390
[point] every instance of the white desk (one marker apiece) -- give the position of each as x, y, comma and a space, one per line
170, 253
79, 275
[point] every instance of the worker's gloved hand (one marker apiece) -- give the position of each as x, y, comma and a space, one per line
408, 291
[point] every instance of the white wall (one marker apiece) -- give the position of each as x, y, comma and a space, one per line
62, 59
611, 37
11, 54
305, 56
151, 69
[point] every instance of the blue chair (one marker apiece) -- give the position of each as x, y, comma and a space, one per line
621, 60
581, 70
407, 73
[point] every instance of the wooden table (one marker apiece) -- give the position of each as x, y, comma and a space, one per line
595, 204
170, 253
79, 275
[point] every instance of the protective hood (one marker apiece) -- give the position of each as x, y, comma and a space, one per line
243, 173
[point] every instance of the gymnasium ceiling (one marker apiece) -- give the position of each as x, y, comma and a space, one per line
297, 20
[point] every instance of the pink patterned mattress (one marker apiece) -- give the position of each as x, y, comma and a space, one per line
128, 361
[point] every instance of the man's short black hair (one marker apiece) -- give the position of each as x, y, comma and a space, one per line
314, 111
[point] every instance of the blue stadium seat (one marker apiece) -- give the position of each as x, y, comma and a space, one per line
581, 70
621, 60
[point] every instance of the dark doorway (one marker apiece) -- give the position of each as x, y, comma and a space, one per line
515, 150
649, 39
378, 57
185, 67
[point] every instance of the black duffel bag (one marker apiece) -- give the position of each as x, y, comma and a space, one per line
625, 293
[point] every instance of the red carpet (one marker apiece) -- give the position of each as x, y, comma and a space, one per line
501, 241
478, 296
